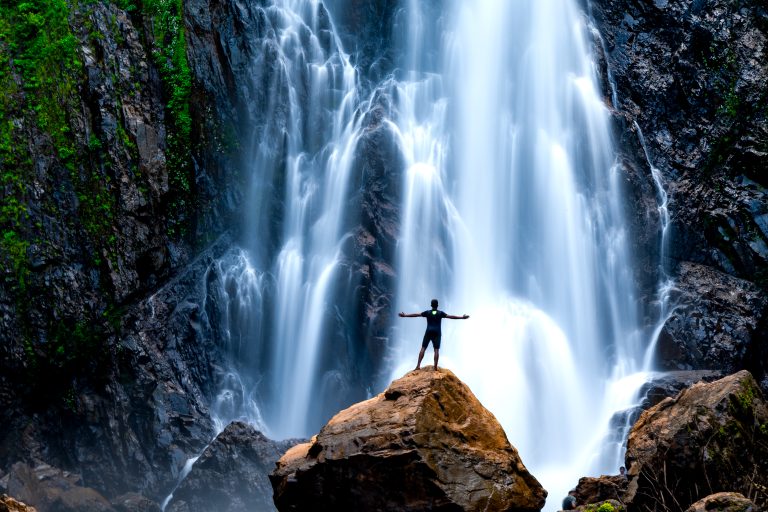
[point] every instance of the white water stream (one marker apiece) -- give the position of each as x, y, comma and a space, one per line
513, 214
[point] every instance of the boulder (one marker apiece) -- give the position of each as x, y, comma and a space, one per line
232, 473
134, 502
593, 490
723, 502
50, 489
712, 437
425, 443
669, 384
8, 504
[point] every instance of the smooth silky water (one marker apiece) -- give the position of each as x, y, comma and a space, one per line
511, 212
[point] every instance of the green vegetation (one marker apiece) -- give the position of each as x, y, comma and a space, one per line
169, 52
38, 58
43, 145
603, 507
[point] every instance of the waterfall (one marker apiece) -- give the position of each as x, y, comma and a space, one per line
512, 213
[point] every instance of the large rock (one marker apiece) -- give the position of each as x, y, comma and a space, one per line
723, 502
669, 384
50, 489
8, 504
232, 473
712, 437
426, 443
592, 490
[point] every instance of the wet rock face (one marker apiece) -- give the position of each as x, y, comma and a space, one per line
426, 437
724, 502
692, 76
712, 437
232, 473
716, 323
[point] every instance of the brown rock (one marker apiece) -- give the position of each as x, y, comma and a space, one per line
723, 502
602, 488
426, 443
51, 489
8, 504
712, 437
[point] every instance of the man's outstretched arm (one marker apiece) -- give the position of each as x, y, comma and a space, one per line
454, 317
409, 315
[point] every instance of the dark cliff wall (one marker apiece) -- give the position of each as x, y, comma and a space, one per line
119, 150
692, 75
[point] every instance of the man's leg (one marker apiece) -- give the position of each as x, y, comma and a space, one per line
421, 356
437, 356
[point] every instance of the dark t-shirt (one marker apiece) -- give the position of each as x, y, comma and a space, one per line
569, 503
434, 317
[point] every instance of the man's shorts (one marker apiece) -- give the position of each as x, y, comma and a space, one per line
432, 336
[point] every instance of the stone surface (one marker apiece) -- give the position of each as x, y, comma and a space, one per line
8, 504
723, 502
690, 76
594, 490
426, 443
232, 473
133, 502
712, 437
714, 323
50, 489
669, 384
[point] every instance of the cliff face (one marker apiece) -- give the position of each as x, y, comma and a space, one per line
119, 162
691, 75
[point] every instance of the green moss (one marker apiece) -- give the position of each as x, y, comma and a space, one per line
170, 54
602, 507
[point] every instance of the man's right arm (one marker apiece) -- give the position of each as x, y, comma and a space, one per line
409, 315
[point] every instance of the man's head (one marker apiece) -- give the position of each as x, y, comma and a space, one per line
434, 303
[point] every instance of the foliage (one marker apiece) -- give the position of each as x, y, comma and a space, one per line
169, 52
37, 46
603, 507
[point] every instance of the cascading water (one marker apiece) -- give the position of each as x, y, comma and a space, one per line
512, 213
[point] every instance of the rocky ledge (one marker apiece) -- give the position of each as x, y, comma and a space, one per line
426, 443
711, 438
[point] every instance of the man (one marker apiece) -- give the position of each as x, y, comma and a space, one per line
433, 332
569, 503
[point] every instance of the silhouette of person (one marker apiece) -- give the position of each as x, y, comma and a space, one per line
433, 333
569, 503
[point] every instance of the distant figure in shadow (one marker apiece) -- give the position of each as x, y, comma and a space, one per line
569, 503
433, 333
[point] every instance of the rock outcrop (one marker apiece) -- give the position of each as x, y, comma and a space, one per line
50, 489
712, 437
8, 504
426, 443
723, 502
716, 319
592, 490
691, 75
232, 473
